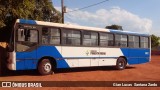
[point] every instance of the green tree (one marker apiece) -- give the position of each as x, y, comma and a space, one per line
10, 10
154, 41
116, 27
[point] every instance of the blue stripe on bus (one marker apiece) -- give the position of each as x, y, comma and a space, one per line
21, 59
42, 51
24, 21
136, 56
86, 58
52, 52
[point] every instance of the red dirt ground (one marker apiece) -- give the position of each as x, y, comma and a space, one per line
143, 72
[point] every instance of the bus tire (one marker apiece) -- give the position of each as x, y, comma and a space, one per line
45, 67
121, 63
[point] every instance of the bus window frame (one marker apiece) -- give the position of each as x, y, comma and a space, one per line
90, 32
145, 42
135, 36
107, 33
49, 27
115, 40
69, 29
32, 47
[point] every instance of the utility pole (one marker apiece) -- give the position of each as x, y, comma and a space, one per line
62, 7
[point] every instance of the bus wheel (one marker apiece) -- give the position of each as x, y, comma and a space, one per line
121, 63
45, 67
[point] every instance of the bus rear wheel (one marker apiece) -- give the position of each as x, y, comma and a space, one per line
45, 67
121, 63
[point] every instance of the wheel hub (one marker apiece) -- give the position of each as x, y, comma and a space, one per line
121, 64
47, 67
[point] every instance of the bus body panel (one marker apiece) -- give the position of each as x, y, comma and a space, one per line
137, 55
26, 60
11, 65
52, 51
66, 59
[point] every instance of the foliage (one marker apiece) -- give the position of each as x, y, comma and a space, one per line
10, 10
116, 27
154, 41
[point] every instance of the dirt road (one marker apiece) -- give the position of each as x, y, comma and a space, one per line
143, 72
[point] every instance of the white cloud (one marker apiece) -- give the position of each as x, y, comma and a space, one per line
58, 8
115, 15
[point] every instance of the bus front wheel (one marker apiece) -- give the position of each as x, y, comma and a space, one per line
45, 67
121, 63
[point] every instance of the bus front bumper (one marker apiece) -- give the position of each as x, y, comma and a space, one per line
11, 66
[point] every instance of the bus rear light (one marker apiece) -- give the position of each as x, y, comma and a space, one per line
11, 66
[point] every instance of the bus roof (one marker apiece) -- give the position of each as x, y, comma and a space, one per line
35, 22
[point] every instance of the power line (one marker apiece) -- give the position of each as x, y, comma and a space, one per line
67, 16
87, 6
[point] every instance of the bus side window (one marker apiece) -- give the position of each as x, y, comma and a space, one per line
45, 35
106, 39
90, 38
50, 36
71, 37
144, 42
33, 35
133, 41
21, 36
121, 40
55, 36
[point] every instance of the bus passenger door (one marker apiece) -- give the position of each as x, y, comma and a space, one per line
26, 45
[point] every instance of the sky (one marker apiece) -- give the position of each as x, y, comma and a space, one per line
133, 15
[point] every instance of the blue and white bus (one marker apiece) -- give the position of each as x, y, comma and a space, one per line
46, 46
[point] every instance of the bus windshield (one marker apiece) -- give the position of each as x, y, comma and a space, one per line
26, 38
